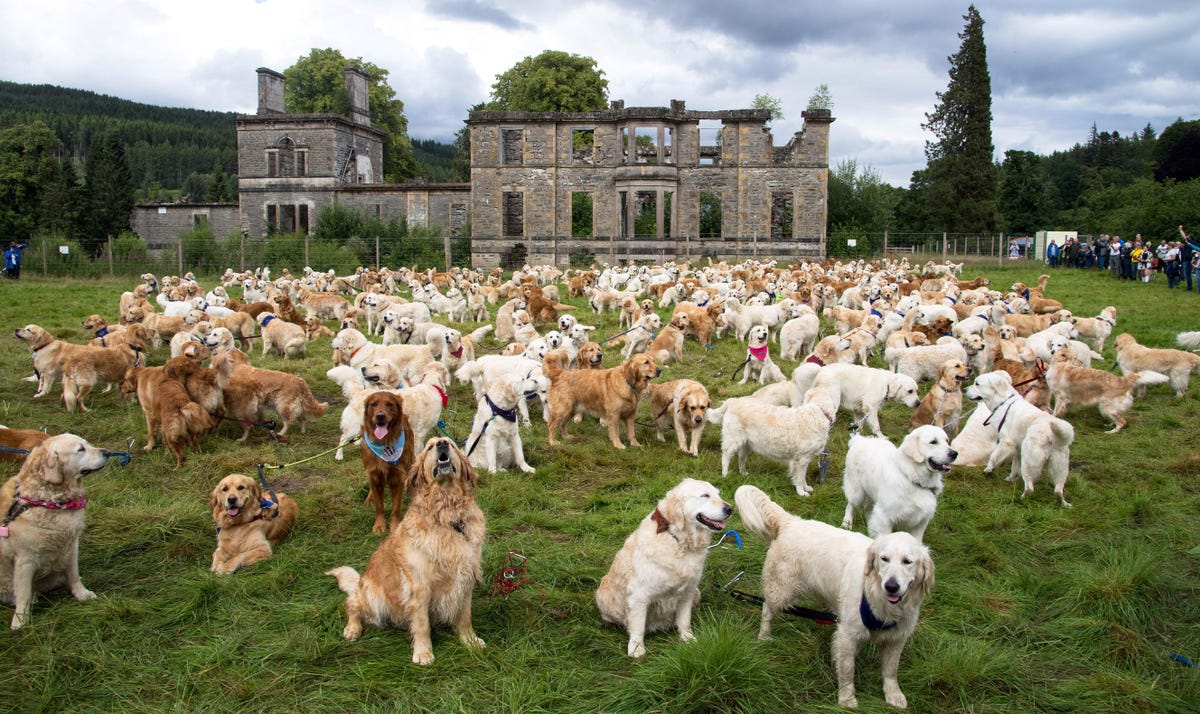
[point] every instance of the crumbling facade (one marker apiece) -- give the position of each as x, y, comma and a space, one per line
644, 183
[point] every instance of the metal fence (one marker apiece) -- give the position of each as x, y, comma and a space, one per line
207, 255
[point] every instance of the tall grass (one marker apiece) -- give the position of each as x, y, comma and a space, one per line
1036, 608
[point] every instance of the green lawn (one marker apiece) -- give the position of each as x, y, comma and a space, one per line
1036, 608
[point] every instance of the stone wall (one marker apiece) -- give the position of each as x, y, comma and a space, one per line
160, 225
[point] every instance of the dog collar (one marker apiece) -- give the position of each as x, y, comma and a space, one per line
662, 525
456, 355
102, 332
876, 313
505, 414
759, 353
870, 620
267, 320
445, 397
20, 504
1105, 319
815, 360
388, 453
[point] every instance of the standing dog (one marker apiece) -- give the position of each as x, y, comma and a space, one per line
682, 404
653, 581
387, 453
423, 573
873, 587
942, 405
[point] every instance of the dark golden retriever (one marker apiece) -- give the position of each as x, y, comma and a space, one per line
387, 452
423, 573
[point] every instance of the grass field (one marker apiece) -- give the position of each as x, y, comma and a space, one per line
1036, 608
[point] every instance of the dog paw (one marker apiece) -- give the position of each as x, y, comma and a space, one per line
897, 699
528, 469
848, 702
379, 529
83, 594
351, 632
422, 658
635, 651
475, 642
687, 636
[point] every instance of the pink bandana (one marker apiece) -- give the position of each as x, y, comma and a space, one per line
759, 353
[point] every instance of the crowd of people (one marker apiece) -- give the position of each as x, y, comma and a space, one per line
1137, 259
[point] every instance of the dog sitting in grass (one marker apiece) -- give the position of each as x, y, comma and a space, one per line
758, 358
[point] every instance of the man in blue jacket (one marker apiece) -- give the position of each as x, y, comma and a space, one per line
12, 260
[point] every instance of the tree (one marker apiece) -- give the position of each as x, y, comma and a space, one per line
553, 81
317, 83
771, 104
859, 200
109, 192
27, 164
961, 169
1177, 152
1023, 200
821, 98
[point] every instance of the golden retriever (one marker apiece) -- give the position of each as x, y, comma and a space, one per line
48, 355
1073, 384
943, 403
683, 405
874, 588
43, 506
387, 452
1176, 364
282, 337
609, 394
251, 391
15, 441
423, 573
167, 407
247, 524
652, 584
88, 367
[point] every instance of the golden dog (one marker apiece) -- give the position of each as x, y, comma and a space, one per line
387, 452
610, 394
942, 405
681, 404
423, 573
247, 525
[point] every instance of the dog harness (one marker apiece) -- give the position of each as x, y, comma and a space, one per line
101, 334
20, 504
870, 620
388, 453
267, 320
509, 415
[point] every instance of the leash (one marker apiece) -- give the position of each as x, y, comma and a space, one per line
123, 457
817, 616
268, 425
513, 575
626, 332
346, 443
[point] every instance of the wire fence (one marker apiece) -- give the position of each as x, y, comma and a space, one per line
203, 254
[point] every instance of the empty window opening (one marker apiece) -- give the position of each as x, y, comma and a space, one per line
272, 163
581, 214
458, 218
710, 142
781, 215
302, 162
583, 146
647, 145
511, 145
514, 214
710, 214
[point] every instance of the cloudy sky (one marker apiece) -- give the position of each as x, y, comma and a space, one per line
1057, 66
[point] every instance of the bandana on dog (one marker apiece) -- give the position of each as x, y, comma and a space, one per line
759, 353
389, 453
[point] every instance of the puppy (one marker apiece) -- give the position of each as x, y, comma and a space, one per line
653, 582
247, 524
682, 404
387, 453
896, 488
942, 405
609, 394
495, 440
758, 358
423, 573
874, 588
43, 506
1072, 383
1176, 364
1033, 440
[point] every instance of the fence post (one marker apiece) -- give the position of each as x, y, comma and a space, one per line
944, 246
1002, 250
242, 252
446, 247
306, 250
110, 257
885, 242
44, 256
377, 265
179, 255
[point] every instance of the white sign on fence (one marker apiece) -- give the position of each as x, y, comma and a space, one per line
851, 242
64, 249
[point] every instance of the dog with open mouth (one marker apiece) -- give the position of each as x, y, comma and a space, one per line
653, 582
247, 523
896, 488
387, 453
424, 572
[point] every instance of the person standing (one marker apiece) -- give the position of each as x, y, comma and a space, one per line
1114, 256
1187, 251
12, 259
1052, 254
1171, 265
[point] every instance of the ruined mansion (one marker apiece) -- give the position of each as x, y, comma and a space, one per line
636, 183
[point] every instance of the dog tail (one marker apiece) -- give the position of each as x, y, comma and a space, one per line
479, 333
347, 579
1064, 433
759, 513
197, 416
70, 392
553, 364
714, 416
467, 372
1188, 340
560, 306
312, 408
279, 526
1146, 378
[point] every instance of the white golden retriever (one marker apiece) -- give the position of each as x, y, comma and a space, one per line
873, 587
863, 390
495, 440
896, 488
653, 581
1033, 439
793, 435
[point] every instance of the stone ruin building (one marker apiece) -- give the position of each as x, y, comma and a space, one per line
637, 183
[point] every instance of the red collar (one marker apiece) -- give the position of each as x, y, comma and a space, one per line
75, 504
457, 353
445, 397
815, 360
356, 351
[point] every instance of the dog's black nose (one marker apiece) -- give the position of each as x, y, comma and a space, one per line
443, 450
728, 509
698, 420
892, 587
381, 419
953, 454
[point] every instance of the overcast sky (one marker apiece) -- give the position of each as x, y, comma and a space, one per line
1057, 66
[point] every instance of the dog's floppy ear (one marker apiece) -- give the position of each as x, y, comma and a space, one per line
870, 569
44, 463
214, 498
924, 580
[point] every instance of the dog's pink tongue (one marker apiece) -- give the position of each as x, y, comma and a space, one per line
232, 513
380, 432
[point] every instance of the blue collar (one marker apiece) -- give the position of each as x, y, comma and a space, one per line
877, 313
505, 414
869, 620
267, 320
390, 454
102, 332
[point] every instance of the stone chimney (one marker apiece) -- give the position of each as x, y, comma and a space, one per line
270, 91
356, 92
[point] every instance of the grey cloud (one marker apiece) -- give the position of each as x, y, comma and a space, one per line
474, 11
